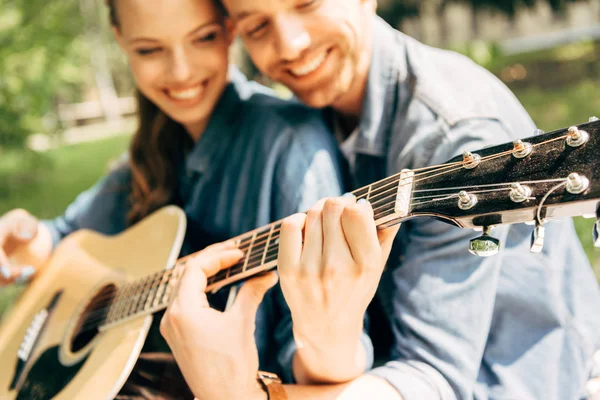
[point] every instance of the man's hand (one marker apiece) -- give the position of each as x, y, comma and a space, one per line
328, 281
17, 228
216, 351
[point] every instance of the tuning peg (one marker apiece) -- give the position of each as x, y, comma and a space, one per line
485, 245
594, 119
538, 132
537, 238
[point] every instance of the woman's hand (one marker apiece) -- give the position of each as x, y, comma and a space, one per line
330, 263
216, 351
19, 228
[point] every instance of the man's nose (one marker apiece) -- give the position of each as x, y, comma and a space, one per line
292, 37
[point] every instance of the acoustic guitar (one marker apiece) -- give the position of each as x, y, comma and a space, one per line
78, 329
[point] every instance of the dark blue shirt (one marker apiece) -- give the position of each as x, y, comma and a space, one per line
259, 160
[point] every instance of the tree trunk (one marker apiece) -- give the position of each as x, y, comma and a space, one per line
443, 24
99, 59
474, 22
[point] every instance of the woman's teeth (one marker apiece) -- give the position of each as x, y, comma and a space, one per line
186, 94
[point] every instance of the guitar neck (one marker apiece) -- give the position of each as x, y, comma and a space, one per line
545, 176
389, 199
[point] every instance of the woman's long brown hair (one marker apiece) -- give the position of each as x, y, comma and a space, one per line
154, 152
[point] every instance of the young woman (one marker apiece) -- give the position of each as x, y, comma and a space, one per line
225, 150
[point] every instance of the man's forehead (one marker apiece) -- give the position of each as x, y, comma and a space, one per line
242, 8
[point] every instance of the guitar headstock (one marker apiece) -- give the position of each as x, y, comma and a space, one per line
546, 176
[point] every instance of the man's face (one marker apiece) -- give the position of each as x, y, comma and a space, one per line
314, 47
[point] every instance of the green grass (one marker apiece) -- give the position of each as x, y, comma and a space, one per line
53, 179
559, 108
45, 184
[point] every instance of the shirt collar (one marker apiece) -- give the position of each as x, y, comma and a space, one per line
221, 126
387, 70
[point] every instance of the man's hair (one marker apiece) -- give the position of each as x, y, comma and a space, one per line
221, 7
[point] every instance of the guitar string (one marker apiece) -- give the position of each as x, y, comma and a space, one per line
131, 305
377, 198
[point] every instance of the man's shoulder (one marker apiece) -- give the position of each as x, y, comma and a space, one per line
457, 89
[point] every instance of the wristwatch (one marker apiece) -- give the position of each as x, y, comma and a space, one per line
271, 385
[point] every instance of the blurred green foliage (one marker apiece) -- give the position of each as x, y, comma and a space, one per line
45, 53
41, 57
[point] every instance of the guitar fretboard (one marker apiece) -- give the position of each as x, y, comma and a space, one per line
260, 246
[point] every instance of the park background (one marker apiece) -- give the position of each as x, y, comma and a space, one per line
67, 111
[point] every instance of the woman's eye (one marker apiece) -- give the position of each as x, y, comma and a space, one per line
146, 52
207, 38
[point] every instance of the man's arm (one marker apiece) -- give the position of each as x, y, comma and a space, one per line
363, 387
439, 297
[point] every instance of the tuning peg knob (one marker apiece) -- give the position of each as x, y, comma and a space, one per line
485, 245
537, 239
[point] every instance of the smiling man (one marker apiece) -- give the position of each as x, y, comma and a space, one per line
445, 324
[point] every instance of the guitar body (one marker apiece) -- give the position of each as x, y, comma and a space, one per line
45, 351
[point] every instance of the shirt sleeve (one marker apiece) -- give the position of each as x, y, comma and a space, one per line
313, 160
102, 208
439, 297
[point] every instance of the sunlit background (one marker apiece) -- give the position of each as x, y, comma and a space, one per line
66, 110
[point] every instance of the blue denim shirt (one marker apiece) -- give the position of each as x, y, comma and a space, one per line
514, 326
259, 160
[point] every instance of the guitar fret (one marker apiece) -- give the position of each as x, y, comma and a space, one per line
169, 287
141, 294
124, 301
267, 244
161, 289
249, 252
152, 291
368, 198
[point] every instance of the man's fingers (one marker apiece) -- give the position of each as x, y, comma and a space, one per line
313, 240
190, 285
193, 282
290, 243
335, 247
252, 293
218, 247
361, 233
386, 239
213, 262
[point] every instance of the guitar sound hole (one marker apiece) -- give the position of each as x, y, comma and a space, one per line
92, 318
